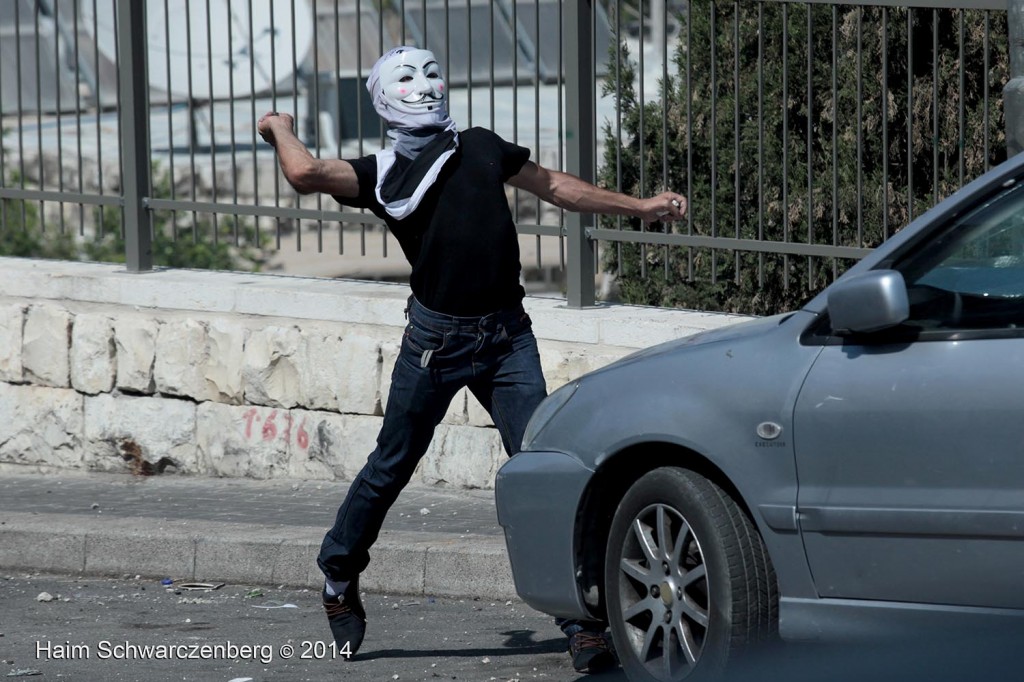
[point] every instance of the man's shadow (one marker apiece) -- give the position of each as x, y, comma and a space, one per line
517, 643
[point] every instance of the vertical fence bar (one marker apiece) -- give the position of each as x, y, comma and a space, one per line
21, 109
860, 126
60, 109
170, 116
642, 135
714, 138
469, 62
963, 107
885, 123
737, 177
760, 138
39, 118
134, 126
78, 115
835, 135
785, 141
193, 133
252, 115
935, 106
99, 104
910, 113
213, 126
664, 119
3, 160
231, 98
810, 142
985, 96
1013, 91
579, 91
689, 135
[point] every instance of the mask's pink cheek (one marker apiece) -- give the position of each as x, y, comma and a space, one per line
402, 91
441, 88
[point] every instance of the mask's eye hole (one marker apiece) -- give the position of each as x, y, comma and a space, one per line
433, 74
405, 79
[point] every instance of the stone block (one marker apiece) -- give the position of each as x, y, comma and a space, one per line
388, 357
93, 354
327, 445
40, 426
272, 367
360, 364
561, 365
243, 441
321, 372
456, 413
135, 339
141, 434
222, 369
46, 341
476, 415
462, 456
12, 322
180, 356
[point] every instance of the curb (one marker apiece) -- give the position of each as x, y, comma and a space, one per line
404, 562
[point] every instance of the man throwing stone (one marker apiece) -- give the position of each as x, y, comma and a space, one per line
441, 192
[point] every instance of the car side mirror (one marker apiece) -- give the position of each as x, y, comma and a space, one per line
869, 302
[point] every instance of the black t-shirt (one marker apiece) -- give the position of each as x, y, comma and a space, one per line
461, 240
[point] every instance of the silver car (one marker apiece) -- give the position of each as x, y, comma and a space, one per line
853, 467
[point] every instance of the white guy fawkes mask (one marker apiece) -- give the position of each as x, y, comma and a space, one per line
408, 89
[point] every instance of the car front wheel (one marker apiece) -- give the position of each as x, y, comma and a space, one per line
688, 581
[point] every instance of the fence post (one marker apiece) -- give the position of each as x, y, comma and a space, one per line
134, 132
578, 67
1013, 91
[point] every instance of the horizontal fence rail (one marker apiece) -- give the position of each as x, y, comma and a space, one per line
803, 133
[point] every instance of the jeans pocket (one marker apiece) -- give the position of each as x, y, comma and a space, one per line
518, 325
421, 340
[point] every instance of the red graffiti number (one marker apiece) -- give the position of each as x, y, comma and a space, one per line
269, 427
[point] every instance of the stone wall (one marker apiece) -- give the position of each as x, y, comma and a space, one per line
227, 374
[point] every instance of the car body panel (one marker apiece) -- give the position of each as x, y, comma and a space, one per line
911, 478
714, 390
538, 514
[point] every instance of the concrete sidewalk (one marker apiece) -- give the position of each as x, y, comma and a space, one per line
435, 541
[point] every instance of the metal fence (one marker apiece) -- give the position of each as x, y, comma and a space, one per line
804, 133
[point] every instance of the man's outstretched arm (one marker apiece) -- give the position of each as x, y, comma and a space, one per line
573, 194
302, 170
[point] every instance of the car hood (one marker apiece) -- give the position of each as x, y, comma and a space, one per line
742, 330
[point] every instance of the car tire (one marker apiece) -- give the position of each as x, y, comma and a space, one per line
689, 584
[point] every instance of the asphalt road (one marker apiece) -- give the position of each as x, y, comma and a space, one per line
137, 630
98, 629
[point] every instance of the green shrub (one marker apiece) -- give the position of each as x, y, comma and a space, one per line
775, 200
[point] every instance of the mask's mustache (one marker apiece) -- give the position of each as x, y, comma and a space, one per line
414, 99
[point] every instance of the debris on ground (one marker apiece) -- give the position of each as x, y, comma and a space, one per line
45, 596
204, 587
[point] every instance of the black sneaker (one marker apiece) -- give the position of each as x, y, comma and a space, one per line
590, 652
347, 619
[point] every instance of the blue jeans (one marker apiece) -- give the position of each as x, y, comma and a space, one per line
494, 355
